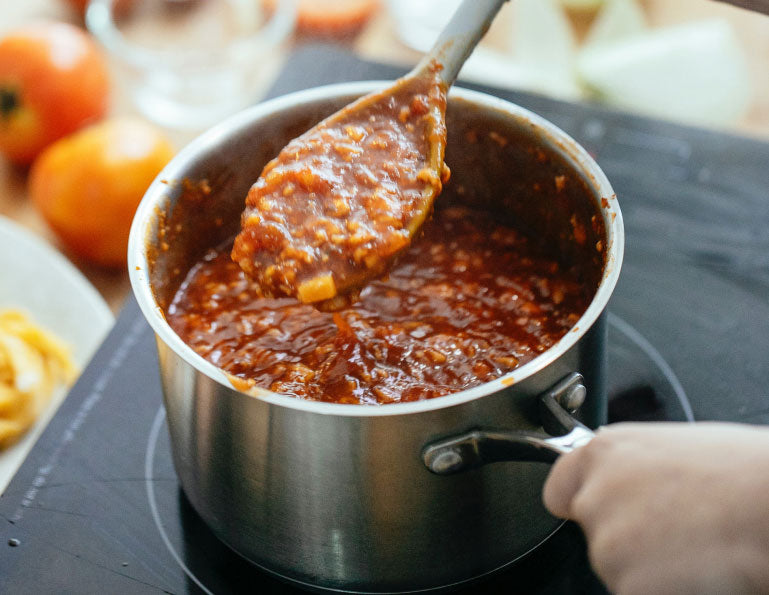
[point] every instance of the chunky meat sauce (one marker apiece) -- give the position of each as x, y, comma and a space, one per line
468, 302
341, 201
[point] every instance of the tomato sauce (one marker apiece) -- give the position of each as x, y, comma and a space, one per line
468, 302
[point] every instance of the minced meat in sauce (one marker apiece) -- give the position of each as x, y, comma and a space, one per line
468, 302
339, 202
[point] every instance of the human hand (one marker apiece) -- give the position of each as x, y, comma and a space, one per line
670, 507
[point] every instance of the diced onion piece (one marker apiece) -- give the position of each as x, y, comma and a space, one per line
695, 73
316, 289
582, 4
535, 21
618, 20
496, 68
531, 64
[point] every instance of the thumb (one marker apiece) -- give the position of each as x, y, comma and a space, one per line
563, 483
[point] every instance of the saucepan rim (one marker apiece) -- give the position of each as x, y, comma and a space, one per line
158, 193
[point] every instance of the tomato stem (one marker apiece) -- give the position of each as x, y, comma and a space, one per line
9, 101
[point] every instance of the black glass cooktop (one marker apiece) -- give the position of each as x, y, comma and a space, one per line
97, 508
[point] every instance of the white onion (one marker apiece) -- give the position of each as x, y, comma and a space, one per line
695, 73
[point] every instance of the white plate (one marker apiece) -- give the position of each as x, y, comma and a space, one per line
39, 280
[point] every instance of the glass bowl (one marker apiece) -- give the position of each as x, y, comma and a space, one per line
189, 63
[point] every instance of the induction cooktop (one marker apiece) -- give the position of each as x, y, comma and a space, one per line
97, 507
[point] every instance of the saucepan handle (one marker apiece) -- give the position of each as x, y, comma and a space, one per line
481, 446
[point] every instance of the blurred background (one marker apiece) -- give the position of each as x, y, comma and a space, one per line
695, 62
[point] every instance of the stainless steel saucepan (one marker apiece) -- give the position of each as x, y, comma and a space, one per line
369, 498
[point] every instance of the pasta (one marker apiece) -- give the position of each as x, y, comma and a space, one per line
33, 365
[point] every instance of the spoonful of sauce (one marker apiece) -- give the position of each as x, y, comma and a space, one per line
340, 202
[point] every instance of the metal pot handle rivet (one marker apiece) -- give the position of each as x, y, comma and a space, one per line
479, 447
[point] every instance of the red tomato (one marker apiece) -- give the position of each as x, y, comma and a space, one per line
53, 80
88, 185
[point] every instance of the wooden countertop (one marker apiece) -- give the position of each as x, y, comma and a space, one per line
378, 41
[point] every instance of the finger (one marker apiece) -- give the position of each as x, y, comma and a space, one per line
563, 482
572, 470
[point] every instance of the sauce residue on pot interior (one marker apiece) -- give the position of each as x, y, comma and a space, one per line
468, 302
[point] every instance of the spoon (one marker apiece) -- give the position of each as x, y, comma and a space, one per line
342, 201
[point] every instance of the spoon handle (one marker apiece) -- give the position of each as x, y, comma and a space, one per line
458, 39
757, 5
